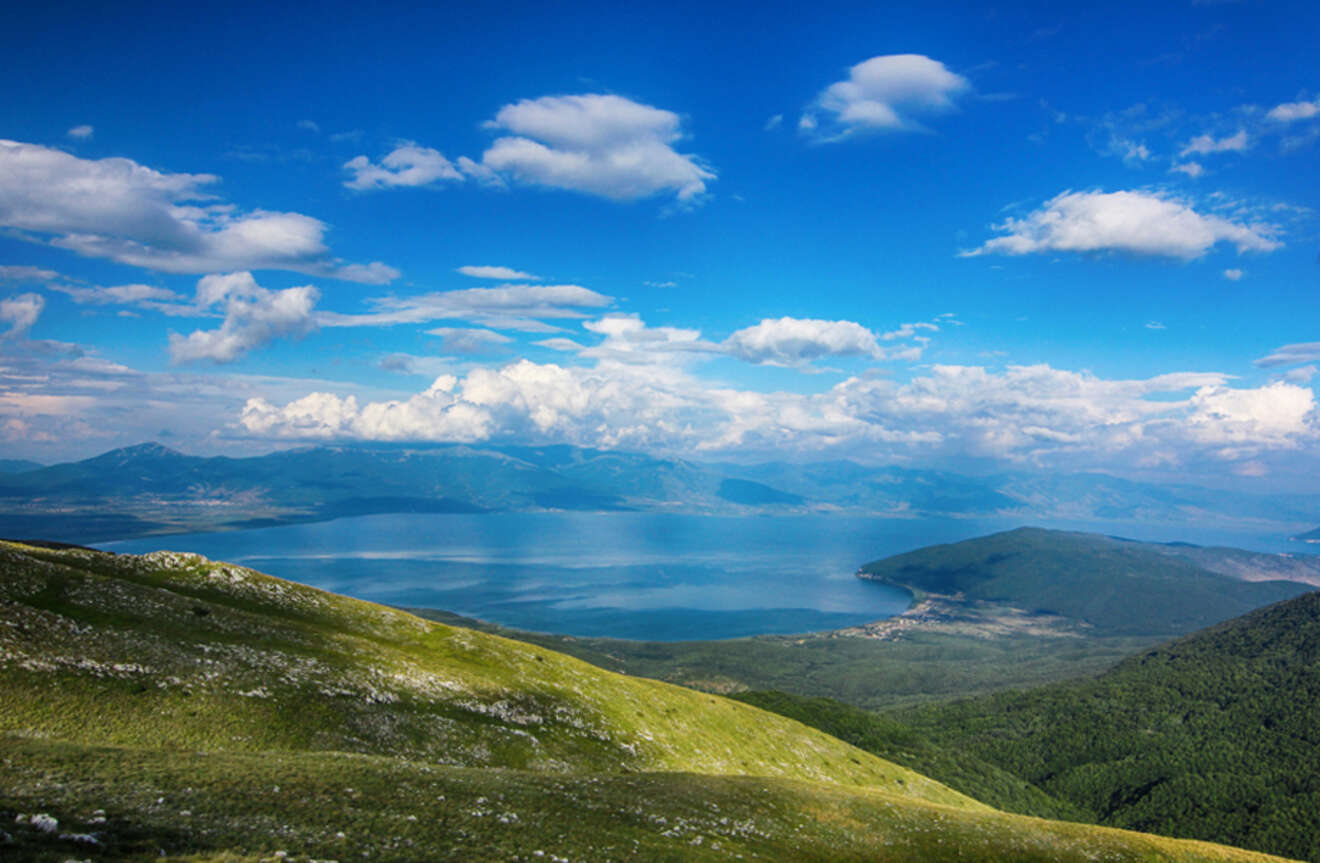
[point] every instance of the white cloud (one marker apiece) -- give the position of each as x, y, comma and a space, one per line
21, 312
1191, 169
510, 307
1206, 144
1299, 352
1269, 417
479, 172
1300, 375
794, 341
81, 133
1155, 325
1128, 150
1233, 274
254, 317
1290, 112
13, 275
774, 123
406, 165
497, 273
147, 295
596, 144
885, 93
629, 340
1141, 223
117, 209
467, 340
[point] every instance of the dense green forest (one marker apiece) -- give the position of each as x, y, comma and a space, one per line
893, 741
1214, 736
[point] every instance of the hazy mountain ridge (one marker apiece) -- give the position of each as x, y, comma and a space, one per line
166, 704
18, 465
150, 488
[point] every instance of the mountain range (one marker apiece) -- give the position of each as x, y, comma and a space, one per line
153, 489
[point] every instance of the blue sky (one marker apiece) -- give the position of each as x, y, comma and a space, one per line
979, 236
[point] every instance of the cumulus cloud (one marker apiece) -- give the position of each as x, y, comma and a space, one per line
1191, 169
1269, 417
253, 317
1028, 414
1140, 223
596, 144
1233, 274
885, 93
794, 341
526, 400
497, 273
81, 133
21, 312
510, 307
406, 165
118, 209
1204, 145
1290, 112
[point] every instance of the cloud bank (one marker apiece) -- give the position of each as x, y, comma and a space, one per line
1035, 415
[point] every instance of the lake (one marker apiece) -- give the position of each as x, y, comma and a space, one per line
650, 576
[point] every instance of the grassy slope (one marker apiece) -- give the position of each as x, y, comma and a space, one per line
342, 807
208, 708
1216, 735
171, 650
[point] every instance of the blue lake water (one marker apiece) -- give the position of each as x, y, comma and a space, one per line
661, 577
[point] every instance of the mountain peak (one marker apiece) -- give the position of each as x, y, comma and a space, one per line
138, 452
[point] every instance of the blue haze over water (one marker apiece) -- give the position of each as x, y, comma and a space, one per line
661, 577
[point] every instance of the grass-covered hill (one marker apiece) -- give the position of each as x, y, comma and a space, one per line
167, 705
1214, 736
1113, 586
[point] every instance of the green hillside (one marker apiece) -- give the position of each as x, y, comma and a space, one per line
166, 703
1111, 585
1214, 736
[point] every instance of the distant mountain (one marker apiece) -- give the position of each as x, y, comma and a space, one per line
1309, 536
151, 488
18, 465
1215, 736
1114, 586
752, 493
167, 706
